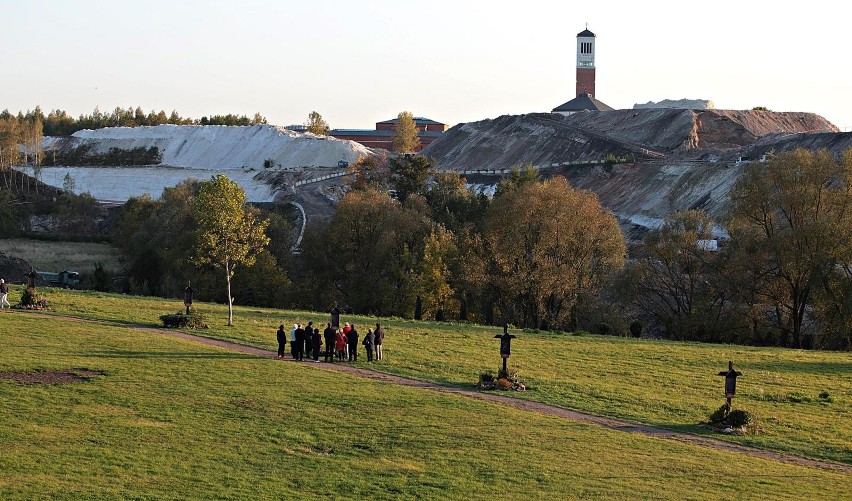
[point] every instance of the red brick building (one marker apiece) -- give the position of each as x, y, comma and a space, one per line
382, 136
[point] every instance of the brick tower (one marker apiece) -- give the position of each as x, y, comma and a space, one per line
586, 63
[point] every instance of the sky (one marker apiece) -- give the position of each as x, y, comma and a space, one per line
358, 62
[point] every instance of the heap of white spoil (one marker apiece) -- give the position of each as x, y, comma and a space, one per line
196, 151
225, 147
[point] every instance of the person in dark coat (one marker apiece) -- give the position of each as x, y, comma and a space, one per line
328, 334
300, 343
368, 344
352, 338
378, 339
316, 344
281, 335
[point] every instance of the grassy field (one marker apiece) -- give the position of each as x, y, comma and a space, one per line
48, 255
174, 419
667, 384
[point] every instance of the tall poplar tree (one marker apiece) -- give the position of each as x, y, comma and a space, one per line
405, 137
228, 233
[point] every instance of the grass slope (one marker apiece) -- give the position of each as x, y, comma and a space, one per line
47, 255
171, 418
670, 384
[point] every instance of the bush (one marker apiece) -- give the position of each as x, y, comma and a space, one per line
636, 328
734, 419
195, 320
738, 419
32, 300
718, 415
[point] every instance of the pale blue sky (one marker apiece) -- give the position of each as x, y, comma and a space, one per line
359, 62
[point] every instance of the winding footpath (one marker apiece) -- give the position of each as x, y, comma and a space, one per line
604, 422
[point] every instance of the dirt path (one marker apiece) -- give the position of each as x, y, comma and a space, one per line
605, 422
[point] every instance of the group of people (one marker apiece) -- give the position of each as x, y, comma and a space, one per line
340, 343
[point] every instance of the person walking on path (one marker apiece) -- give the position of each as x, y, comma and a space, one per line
300, 342
281, 336
378, 339
368, 344
4, 295
340, 344
293, 341
328, 334
352, 337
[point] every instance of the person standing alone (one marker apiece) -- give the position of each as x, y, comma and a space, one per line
4, 294
378, 339
281, 336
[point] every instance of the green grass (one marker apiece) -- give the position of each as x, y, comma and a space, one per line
47, 255
175, 419
669, 384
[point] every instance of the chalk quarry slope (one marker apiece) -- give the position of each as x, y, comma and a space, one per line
684, 159
223, 147
190, 151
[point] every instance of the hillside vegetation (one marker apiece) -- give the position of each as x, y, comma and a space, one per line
662, 383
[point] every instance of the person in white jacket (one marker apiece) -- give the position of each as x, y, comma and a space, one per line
293, 341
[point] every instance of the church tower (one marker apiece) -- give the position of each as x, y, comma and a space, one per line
586, 63
585, 99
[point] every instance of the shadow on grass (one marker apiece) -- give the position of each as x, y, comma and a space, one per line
827, 368
167, 354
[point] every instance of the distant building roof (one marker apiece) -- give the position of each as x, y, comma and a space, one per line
585, 33
417, 120
583, 102
379, 133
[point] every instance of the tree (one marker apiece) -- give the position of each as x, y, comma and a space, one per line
790, 221
519, 177
410, 174
316, 124
405, 134
434, 274
547, 245
368, 173
675, 280
228, 233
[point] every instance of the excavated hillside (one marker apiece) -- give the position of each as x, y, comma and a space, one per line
684, 159
545, 139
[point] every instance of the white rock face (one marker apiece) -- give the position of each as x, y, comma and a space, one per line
196, 151
679, 104
225, 147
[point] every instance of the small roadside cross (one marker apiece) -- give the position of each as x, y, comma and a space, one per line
505, 344
730, 383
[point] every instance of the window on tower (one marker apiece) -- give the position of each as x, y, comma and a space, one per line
585, 47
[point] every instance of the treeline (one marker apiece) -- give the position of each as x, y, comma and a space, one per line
83, 155
541, 254
59, 123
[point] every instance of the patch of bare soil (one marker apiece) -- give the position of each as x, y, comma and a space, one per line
51, 377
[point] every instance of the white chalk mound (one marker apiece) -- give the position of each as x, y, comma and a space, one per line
226, 147
197, 151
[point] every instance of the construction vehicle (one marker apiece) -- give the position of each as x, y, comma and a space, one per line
65, 279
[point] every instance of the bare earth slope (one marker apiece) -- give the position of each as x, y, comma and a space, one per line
684, 158
544, 139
